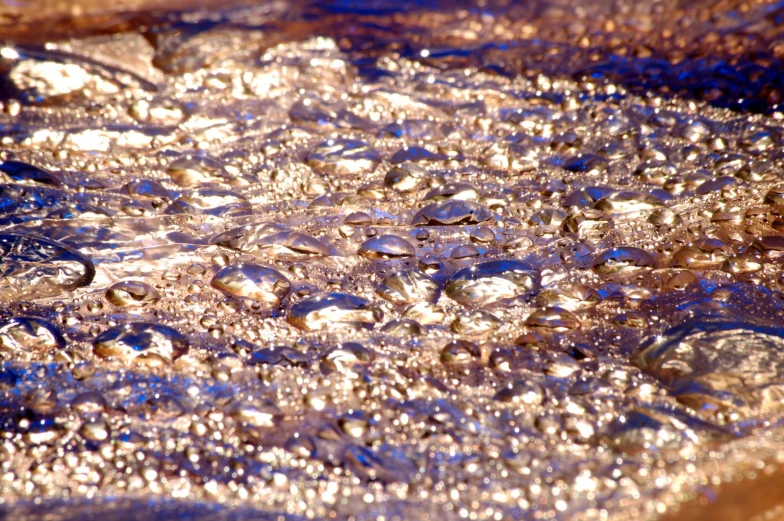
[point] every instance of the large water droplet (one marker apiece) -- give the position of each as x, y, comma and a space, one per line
210, 202
628, 203
718, 366
131, 293
29, 338
407, 287
192, 171
489, 282
476, 322
254, 282
141, 342
386, 246
34, 267
452, 212
624, 259
553, 318
458, 191
334, 310
706, 254
342, 157
405, 177
271, 240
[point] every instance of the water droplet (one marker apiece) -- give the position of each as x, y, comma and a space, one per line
29, 338
483, 235
147, 189
588, 164
405, 177
34, 267
131, 293
458, 191
452, 212
553, 318
261, 414
345, 358
521, 392
89, 403
96, 429
459, 352
192, 171
334, 310
386, 246
407, 287
402, 328
587, 197
141, 342
705, 254
358, 219
425, 313
207, 201
510, 156
475, 322
561, 365
270, 240
717, 366
489, 282
342, 157
42, 400
355, 424
464, 251
628, 203
569, 297
623, 260
254, 282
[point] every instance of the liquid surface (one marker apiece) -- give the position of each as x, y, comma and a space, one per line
410, 260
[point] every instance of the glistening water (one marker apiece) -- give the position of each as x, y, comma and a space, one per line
392, 260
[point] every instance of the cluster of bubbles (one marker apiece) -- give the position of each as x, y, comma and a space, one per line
321, 280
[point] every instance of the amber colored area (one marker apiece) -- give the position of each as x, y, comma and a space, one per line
45, 20
750, 499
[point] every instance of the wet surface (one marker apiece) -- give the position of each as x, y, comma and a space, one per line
360, 261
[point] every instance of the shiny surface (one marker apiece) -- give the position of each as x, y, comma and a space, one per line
411, 260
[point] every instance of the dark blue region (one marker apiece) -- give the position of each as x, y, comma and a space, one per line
750, 81
737, 83
384, 7
743, 86
133, 509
